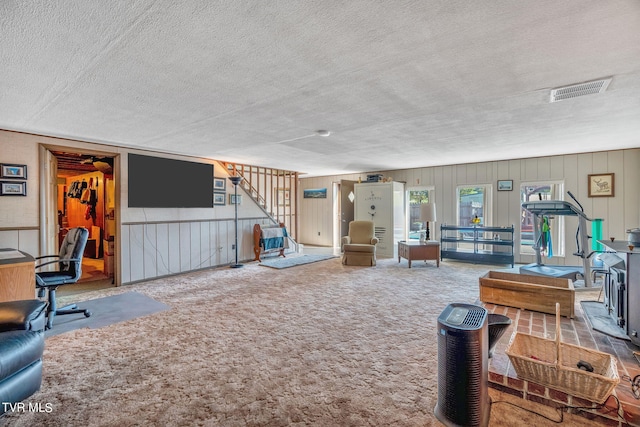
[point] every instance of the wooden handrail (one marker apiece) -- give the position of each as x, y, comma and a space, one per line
258, 182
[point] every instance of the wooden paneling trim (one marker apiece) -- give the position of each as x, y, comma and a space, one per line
18, 228
178, 221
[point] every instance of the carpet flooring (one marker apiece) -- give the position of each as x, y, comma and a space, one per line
317, 345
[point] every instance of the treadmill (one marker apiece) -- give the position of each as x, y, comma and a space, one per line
557, 208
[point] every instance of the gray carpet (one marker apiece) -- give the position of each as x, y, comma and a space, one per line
294, 261
600, 320
106, 311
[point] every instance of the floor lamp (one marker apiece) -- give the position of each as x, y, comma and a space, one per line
235, 180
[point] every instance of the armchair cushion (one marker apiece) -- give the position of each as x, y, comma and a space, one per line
354, 247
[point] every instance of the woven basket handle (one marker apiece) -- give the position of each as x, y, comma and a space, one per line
558, 336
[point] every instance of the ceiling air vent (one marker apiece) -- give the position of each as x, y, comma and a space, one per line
580, 89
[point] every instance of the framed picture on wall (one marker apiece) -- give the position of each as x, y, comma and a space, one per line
601, 185
219, 199
505, 185
283, 197
13, 171
233, 199
315, 193
219, 184
8, 188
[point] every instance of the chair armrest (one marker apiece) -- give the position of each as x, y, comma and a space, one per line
346, 240
59, 261
374, 240
46, 256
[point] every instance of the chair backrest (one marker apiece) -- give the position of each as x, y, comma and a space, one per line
73, 247
361, 232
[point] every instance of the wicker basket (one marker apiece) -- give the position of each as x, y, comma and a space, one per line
554, 364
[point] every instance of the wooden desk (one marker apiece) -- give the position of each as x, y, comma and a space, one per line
412, 250
17, 277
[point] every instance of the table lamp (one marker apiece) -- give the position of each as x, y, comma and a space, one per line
427, 214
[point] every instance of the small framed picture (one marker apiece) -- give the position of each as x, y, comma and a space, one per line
505, 185
283, 197
233, 199
219, 199
219, 184
13, 171
315, 193
601, 185
8, 188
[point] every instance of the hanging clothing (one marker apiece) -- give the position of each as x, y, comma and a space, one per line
546, 236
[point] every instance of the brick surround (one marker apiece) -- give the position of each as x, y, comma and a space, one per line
575, 331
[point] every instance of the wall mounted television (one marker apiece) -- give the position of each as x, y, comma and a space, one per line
157, 182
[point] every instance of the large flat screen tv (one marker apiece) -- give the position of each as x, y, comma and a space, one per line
156, 182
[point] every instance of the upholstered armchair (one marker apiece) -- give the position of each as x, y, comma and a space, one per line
359, 247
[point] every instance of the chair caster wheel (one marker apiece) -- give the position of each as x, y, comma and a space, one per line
87, 314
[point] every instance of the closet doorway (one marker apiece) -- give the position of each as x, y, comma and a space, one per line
84, 196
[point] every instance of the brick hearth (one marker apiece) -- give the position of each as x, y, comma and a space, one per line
574, 331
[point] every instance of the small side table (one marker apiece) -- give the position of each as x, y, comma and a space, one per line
414, 250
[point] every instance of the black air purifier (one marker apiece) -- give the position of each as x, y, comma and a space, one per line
463, 347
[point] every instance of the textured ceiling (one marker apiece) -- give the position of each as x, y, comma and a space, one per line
400, 84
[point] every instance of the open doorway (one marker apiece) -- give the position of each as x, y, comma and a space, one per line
84, 194
343, 209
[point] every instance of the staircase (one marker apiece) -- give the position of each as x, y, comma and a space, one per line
274, 190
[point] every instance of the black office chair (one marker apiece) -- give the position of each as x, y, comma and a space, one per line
69, 271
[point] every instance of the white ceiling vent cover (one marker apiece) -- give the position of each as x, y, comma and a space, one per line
580, 89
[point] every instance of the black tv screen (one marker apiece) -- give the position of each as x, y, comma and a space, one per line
156, 182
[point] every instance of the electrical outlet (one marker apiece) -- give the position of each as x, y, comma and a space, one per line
233, 246
318, 233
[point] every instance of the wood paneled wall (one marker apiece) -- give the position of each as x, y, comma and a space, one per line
158, 249
619, 213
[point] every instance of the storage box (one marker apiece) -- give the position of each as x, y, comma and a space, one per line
109, 267
536, 293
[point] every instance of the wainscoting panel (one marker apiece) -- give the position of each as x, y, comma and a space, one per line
185, 246
164, 248
173, 260
136, 244
151, 251
125, 265
205, 252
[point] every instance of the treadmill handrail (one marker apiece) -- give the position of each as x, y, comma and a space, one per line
554, 207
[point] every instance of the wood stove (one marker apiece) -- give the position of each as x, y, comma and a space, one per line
622, 286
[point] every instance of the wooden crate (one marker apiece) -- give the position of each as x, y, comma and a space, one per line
536, 293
